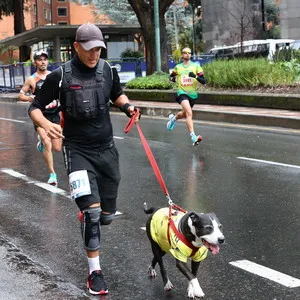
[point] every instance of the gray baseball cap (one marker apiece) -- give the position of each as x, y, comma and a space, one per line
89, 36
38, 54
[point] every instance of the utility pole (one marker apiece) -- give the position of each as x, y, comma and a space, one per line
193, 15
157, 36
263, 15
175, 27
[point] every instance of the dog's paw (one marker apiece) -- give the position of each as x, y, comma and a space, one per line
151, 272
168, 285
194, 289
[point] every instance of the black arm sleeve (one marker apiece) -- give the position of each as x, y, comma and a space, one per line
201, 79
48, 92
116, 90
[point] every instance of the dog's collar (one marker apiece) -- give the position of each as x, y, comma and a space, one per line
181, 237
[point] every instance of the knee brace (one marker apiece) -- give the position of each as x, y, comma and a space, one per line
106, 219
90, 228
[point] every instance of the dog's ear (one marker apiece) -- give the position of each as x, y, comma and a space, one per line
194, 217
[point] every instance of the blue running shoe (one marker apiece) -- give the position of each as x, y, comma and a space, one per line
52, 179
40, 145
196, 139
171, 123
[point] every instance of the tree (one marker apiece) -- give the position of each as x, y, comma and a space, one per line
144, 11
16, 8
121, 13
240, 18
118, 11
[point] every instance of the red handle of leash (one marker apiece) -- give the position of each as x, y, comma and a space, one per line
148, 152
129, 124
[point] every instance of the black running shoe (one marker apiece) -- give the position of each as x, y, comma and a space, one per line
96, 283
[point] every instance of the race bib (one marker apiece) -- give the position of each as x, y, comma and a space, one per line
79, 184
186, 81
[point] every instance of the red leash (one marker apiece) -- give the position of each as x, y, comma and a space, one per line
162, 184
149, 154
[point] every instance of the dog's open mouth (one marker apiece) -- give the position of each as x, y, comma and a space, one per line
214, 249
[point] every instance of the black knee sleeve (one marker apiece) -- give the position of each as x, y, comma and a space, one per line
90, 228
106, 219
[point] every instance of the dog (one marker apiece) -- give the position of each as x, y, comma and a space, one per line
185, 235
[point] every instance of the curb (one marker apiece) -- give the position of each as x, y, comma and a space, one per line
229, 117
212, 113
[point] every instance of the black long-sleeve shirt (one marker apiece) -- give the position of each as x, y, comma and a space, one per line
90, 133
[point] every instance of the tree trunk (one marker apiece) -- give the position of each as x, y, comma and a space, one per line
19, 27
145, 14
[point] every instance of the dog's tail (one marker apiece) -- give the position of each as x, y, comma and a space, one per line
149, 210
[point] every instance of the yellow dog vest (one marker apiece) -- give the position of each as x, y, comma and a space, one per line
172, 244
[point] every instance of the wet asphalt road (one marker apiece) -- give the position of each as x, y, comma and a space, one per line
257, 202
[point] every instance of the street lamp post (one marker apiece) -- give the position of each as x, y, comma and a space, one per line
157, 36
193, 29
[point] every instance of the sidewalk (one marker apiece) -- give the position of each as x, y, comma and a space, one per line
214, 113
228, 114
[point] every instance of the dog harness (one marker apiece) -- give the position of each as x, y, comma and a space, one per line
167, 237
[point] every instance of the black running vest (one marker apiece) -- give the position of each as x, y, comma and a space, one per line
85, 98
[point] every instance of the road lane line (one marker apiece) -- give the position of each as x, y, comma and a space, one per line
43, 185
269, 162
12, 120
267, 273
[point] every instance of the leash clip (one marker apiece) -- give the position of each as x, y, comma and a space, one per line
169, 200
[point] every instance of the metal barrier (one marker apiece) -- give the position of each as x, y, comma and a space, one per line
13, 76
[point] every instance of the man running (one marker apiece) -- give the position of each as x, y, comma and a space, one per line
30, 88
188, 75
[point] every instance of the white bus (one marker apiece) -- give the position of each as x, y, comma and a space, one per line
252, 48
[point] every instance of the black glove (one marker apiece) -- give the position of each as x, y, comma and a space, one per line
192, 74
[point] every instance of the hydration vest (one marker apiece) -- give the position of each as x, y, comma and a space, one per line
85, 98
38, 83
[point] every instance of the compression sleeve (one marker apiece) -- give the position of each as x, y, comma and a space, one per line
200, 77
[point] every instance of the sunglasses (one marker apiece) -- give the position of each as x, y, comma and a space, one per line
186, 52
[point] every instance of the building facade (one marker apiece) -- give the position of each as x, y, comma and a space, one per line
227, 22
42, 17
290, 19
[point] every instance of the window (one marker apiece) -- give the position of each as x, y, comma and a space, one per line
62, 23
61, 11
61, 0
47, 14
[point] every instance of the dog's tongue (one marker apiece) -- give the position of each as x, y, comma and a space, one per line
214, 249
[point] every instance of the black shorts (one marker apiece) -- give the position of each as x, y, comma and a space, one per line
103, 171
54, 118
182, 97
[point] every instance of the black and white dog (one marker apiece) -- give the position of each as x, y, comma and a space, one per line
184, 235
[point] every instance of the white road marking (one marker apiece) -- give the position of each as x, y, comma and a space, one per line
43, 185
267, 273
269, 162
118, 137
143, 228
12, 120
